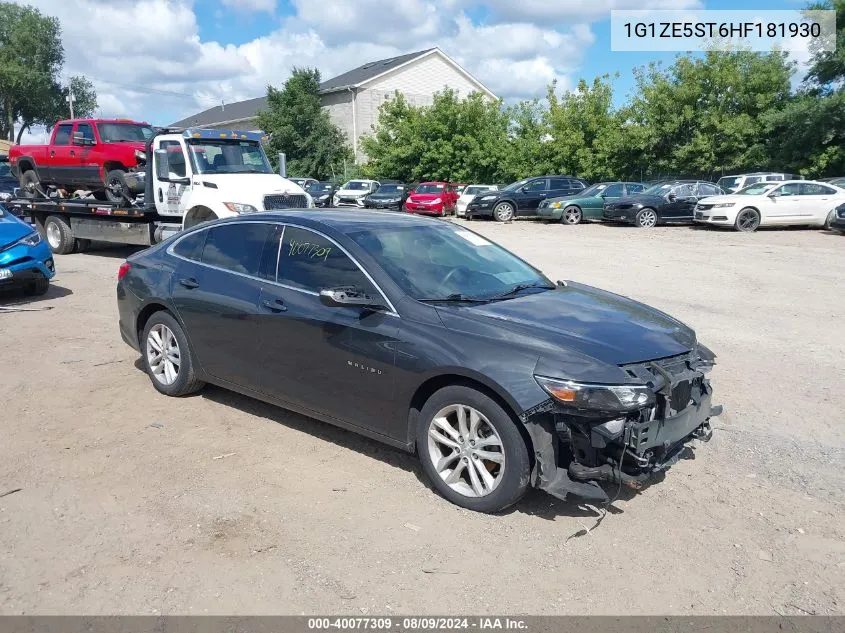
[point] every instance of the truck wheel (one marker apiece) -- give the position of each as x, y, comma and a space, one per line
30, 185
116, 189
59, 235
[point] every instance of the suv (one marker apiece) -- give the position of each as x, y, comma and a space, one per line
523, 197
734, 183
664, 201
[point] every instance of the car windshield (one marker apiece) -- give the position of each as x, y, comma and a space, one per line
228, 157
658, 189
593, 190
441, 261
757, 189
356, 185
116, 132
729, 182
397, 189
515, 185
429, 188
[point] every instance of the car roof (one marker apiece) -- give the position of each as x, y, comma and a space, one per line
340, 220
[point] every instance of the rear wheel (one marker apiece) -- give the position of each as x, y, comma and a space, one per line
503, 212
116, 189
30, 185
829, 219
167, 358
471, 450
59, 235
571, 215
747, 220
646, 218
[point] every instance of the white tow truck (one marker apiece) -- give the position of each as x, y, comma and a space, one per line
191, 176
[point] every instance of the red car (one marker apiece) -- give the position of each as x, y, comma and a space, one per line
432, 198
90, 154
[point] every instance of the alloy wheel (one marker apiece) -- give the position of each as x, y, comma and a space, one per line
748, 220
54, 235
647, 218
572, 215
163, 354
466, 450
504, 212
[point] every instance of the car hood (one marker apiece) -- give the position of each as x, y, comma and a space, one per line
352, 193
385, 196
263, 184
12, 229
601, 325
727, 198
424, 197
640, 199
572, 197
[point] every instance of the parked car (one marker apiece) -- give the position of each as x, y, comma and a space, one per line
837, 222
795, 202
387, 196
729, 184
522, 198
304, 182
466, 196
838, 181
428, 337
667, 201
322, 193
91, 154
432, 198
26, 260
352, 193
587, 204
8, 182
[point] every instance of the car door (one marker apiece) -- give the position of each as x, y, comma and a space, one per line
532, 193
633, 188
782, 205
169, 195
675, 201
608, 194
216, 288
817, 201
338, 361
84, 155
61, 164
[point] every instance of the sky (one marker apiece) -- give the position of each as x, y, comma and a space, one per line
162, 60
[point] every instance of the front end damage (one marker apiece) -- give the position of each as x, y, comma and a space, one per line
576, 449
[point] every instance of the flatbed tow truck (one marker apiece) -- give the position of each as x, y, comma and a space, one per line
190, 176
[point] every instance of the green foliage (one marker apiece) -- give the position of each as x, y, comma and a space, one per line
297, 125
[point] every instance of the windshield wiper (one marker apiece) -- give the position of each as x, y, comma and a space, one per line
520, 287
456, 298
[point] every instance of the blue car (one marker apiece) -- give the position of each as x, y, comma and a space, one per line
25, 259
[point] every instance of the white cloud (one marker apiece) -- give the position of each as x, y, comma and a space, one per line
251, 5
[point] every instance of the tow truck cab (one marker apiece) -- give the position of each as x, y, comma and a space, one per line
201, 175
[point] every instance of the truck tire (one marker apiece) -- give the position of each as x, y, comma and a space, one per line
59, 235
30, 185
116, 189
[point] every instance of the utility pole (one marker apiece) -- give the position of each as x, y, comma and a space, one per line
69, 98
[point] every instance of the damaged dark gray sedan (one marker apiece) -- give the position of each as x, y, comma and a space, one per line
429, 337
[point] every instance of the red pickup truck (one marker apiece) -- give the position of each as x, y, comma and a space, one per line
90, 154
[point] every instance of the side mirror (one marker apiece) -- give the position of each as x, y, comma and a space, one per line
671, 197
348, 296
78, 139
162, 164
523, 189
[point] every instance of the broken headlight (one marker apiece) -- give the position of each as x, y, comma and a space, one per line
593, 397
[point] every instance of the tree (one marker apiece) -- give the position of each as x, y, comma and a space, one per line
810, 130
300, 128
55, 106
455, 139
31, 57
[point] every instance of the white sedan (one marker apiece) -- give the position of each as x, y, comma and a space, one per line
469, 192
793, 202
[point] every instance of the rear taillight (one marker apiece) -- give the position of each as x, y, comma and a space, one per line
124, 268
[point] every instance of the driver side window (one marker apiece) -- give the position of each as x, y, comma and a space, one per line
311, 262
613, 191
792, 189
536, 185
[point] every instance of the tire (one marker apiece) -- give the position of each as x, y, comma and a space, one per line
59, 235
829, 219
747, 220
100, 195
30, 184
38, 287
571, 215
507, 478
503, 212
116, 190
179, 379
646, 218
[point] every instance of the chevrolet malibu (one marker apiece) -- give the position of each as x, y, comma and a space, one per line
428, 337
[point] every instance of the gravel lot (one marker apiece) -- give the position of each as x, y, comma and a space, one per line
131, 502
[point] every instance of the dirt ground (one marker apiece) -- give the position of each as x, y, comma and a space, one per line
132, 502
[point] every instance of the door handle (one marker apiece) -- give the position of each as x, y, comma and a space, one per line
190, 283
72, 152
276, 305
52, 153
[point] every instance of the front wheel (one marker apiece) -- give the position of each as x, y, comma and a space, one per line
747, 220
646, 218
116, 189
59, 235
167, 358
571, 215
30, 185
503, 212
471, 450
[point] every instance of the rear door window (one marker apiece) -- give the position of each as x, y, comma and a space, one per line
309, 261
63, 134
634, 188
190, 246
237, 247
613, 191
